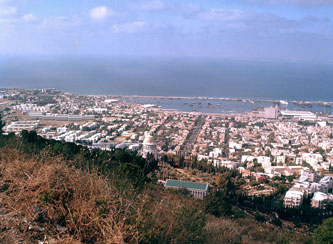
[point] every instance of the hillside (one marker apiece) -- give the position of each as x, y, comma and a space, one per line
54, 192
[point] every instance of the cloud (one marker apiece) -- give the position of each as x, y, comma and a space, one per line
131, 27
4, 1
316, 19
153, 26
224, 14
10, 10
149, 5
298, 3
100, 13
29, 17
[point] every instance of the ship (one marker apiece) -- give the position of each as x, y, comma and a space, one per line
282, 102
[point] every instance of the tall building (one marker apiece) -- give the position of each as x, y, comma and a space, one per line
266, 112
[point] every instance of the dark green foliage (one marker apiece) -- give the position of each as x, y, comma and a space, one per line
42, 101
47, 197
306, 123
122, 163
102, 206
290, 178
2, 124
247, 230
190, 223
239, 124
170, 218
182, 224
276, 222
273, 203
260, 218
183, 191
324, 233
216, 203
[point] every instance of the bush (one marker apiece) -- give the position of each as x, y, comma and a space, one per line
95, 208
91, 209
216, 204
324, 233
260, 218
276, 222
246, 230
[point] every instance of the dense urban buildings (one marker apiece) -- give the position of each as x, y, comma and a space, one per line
269, 144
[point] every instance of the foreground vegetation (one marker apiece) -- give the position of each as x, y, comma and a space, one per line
64, 193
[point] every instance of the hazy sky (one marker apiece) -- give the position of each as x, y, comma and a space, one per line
239, 29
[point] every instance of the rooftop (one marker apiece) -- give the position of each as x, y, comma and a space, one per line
149, 140
296, 113
186, 184
320, 196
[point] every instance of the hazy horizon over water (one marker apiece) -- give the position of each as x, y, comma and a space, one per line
172, 77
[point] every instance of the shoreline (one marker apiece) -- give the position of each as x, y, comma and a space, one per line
304, 103
243, 99
281, 101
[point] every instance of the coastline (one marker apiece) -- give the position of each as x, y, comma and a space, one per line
210, 105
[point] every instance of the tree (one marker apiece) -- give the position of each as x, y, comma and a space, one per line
290, 178
324, 233
2, 124
225, 182
260, 218
276, 222
216, 204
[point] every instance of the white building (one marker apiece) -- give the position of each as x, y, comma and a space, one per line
61, 130
18, 126
327, 183
267, 112
314, 187
317, 157
198, 190
134, 147
319, 200
293, 198
217, 152
305, 115
89, 126
149, 146
235, 145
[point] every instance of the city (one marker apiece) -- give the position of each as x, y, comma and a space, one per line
266, 146
166, 122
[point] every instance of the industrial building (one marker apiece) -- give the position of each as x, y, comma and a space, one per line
300, 115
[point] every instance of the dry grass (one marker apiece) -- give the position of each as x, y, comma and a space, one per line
49, 193
248, 231
39, 193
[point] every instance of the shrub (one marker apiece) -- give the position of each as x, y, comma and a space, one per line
276, 222
260, 218
324, 233
216, 204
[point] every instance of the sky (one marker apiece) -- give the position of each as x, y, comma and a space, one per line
282, 30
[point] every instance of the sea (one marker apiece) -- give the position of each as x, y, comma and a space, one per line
249, 84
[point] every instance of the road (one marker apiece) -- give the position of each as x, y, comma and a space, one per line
193, 135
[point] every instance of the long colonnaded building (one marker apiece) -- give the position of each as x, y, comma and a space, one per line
198, 190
